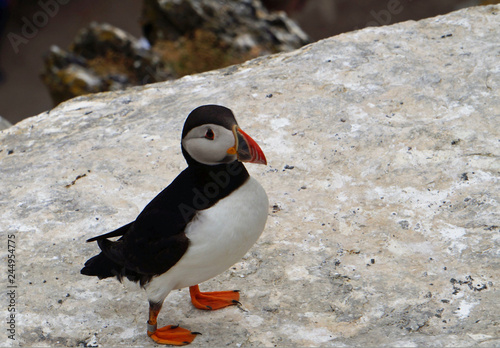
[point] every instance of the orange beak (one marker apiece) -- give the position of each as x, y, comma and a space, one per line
245, 148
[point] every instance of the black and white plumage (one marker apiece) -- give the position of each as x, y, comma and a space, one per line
197, 227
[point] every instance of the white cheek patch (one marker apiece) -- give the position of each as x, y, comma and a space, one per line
208, 151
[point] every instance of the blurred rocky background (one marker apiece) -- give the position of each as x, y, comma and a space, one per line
52, 50
180, 38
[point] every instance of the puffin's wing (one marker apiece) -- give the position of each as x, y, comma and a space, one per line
152, 244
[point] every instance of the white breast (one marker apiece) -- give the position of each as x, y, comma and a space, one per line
219, 237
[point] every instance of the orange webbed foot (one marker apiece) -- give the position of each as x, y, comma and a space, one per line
213, 300
173, 335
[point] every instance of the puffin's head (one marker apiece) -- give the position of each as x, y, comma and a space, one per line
212, 136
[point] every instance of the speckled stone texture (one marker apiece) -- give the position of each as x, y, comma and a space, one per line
383, 178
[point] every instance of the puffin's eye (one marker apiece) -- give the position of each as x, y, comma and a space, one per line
209, 134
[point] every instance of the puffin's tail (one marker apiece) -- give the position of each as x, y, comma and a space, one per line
102, 267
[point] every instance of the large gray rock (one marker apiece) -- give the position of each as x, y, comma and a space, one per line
383, 178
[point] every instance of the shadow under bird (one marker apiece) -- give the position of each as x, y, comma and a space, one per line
196, 228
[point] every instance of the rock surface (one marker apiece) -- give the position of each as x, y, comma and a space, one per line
383, 179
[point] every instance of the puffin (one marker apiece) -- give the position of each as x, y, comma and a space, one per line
200, 225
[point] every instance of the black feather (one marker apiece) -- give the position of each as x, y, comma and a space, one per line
116, 233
